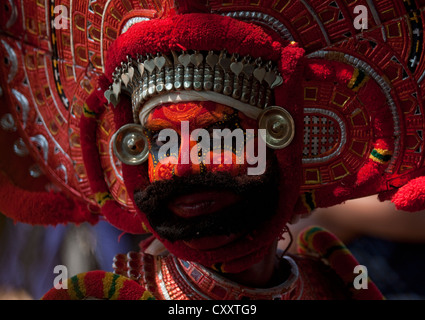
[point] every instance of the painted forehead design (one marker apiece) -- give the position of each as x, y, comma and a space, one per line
197, 112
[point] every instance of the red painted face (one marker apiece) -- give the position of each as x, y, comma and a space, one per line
202, 115
214, 213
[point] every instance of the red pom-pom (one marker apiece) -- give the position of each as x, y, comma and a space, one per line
411, 197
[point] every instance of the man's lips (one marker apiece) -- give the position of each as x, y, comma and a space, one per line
202, 203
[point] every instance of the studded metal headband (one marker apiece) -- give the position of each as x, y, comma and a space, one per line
244, 79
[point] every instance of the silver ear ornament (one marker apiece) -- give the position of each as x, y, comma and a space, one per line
130, 144
278, 125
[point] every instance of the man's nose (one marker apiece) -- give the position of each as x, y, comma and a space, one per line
185, 166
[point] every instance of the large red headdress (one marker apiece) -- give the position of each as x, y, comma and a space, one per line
355, 97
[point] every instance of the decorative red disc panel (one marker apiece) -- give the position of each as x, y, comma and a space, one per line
340, 133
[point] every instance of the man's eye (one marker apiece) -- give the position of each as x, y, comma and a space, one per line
217, 129
217, 126
156, 142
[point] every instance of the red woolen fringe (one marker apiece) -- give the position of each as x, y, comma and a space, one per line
40, 208
99, 285
112, 211
411, 197
91, 155
196, 31
122, 219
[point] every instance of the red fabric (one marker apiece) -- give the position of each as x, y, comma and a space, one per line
54, 294
43, 208
411, 197
90, 152
93, 283
196, 32
93, 286
88, 126
122, 219
131, 290
191, 6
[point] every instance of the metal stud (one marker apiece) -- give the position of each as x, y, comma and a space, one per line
270, 76
116, 88
178, 72
279, 127
20, 148
152, 84
145, 85
225, 62
130, 144
198, 77
198, 70
208, 77
169, 78
107, 94
140, 68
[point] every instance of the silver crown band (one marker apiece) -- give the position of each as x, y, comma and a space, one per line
244, 79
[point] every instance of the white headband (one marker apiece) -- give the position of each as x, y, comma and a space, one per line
191, 95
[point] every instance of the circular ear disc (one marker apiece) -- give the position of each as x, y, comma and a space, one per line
279, 126
130, 144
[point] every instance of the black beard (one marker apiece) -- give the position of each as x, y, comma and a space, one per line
259, 202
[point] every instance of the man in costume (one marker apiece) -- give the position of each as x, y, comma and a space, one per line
339, 109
